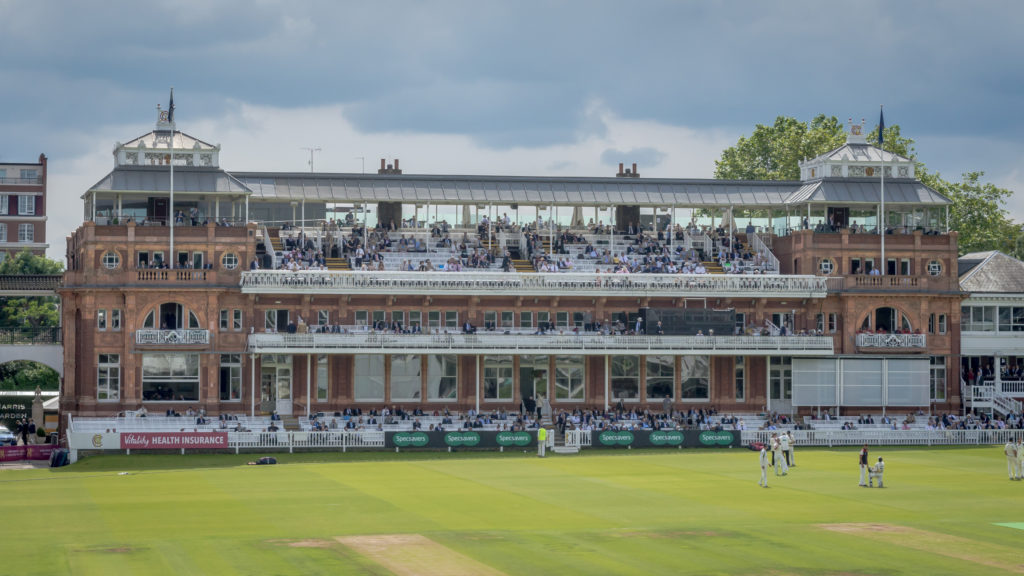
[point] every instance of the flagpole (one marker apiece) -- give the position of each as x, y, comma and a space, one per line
881, 143
170, 118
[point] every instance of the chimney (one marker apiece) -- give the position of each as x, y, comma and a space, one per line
620, 170
397, 170
386, 168
383, 167
635, 173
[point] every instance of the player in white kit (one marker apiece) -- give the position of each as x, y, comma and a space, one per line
1011, 460
764, 467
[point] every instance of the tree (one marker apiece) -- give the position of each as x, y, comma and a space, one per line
25, 263
29, 313
774, 152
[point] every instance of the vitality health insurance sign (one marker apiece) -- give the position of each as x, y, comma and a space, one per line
173, 440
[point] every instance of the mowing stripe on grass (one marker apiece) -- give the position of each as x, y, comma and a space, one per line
409, 554
1017, 525
977, 552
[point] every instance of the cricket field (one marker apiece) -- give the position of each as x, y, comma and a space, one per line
943, 511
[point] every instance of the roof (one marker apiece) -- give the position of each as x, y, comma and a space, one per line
859, 152
157, 179
991, 272
158, 139
866, 191
18, 283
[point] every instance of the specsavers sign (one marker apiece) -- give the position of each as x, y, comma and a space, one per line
460, 439
664, 438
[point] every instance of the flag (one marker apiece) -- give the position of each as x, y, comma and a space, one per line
170, 108
882, 125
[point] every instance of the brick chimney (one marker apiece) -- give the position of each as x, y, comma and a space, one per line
386, 168
627, 173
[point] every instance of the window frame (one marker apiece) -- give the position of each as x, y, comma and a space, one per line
108, 377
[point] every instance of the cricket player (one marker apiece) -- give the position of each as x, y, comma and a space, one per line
780, 460
764, 466
1012, 467
876, 471
789, 450
784, 447
863, 465
542, 436
1020, 458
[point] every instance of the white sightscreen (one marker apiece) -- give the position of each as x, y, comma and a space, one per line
908, 381
862, 381
814, 381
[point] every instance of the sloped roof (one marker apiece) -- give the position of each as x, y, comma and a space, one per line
859, 152
158, 139
991, 272
190, 179
866, 191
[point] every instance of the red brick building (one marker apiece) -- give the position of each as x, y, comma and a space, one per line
23, 207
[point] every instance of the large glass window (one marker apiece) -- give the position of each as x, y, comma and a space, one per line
170, 377
434, 319
780, 377
534, 374
369, 378
938, 378
236, 323
101, 320
415, 319
451, 319
569, 373
108, 377
498, 382
321, 378
26, 205
406, 379
625, 377
739, 378
230, 377
978, 318
507, 319
526, 319
3, 232
26, 233
695, 374
1011, 318
4, 202
442, 377
225, 320
661, 377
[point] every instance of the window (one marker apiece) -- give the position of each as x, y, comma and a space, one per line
434, 319
275, 320
561, 319
625, 378
158, 257
3, 232
741, 323
322, 317
451, 319
937, 379
406, 379
26, 233
855, 266
1011, 319
978, 318
369, 378
833, 323
931, 323
4, 202
399, 317
230, 377
739, 378
934, 268
199, 260
168, 377
661, 377
780, 378
507, 319
415, 318
321, 378
442, 377
150, 321
101, 320
229, 260
115, 319
29, 174
193, 321
379, 318
108, 377
544, 319
578, 319
26, 205
819, 322
826, 266
111, 260
905, 267
362, 317
490, 319
569, 372
224, 319
237, 320
526, 319
498, 382
942, 323
696, 377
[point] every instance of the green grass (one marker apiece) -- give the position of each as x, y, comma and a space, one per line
643, 512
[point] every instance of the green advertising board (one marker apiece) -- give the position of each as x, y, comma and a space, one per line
664, 439
491, 439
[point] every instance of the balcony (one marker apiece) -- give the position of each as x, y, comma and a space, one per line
172, 337
862, 283
37, 181
517, 284
587, 345
891, 341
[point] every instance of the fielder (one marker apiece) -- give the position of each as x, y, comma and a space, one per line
763, 456
1012, 467
789, 450
876, 471
780, 460
542, 436
1020, 458
863, 465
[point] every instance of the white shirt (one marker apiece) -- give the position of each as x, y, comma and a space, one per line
764, 458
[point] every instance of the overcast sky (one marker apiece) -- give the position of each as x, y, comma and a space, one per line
529, 88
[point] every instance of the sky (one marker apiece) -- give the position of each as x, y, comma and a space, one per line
561, 88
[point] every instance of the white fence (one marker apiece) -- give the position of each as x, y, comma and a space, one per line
830, 438
333, 439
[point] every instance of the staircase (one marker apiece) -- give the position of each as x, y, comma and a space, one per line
713, 267
522, 266
337, 264
275, 239
290, 423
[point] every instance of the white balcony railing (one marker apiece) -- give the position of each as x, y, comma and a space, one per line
589, 344
553, 284
172, 337
890, 340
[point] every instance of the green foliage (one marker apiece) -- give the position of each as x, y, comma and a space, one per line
29, 313
774, 152
25, 375
25, 263
978, 213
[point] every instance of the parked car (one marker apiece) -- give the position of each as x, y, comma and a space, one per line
6, 437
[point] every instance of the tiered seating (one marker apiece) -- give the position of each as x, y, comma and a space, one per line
161, 423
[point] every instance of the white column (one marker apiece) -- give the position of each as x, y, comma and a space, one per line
607, 381
477, 359
252, 399
309, 370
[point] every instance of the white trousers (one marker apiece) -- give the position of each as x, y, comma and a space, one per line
791, 460
540, 448
764, 476
1012, 466
863, 475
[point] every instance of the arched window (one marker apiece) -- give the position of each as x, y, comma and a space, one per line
888, 320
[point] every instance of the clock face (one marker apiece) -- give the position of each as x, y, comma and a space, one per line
163, 115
